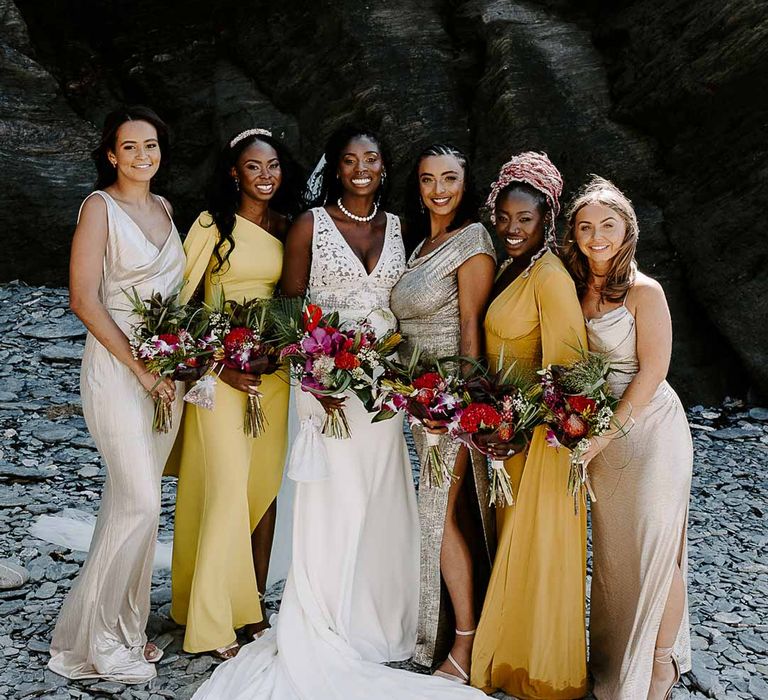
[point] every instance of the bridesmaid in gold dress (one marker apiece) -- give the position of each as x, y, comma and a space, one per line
639, 635
228, 481
531, 640
125, 238
439, 303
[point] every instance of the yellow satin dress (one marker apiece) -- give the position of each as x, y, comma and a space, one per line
227, 480
531, 639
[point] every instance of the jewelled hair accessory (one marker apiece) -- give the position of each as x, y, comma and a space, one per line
249, 132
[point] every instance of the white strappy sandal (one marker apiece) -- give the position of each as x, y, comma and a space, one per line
464, 677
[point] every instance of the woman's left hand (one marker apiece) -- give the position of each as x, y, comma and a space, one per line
596, 446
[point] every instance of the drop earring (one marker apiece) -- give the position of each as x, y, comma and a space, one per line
237, 184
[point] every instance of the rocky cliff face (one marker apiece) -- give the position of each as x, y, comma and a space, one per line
661, 96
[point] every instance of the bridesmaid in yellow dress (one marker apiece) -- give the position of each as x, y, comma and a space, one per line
639, 632
228, 481
531, 640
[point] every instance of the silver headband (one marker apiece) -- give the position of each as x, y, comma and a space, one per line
249, 132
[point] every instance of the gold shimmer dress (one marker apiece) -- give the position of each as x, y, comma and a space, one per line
227, 480
100, 632
531, 640
642, 481
426, 304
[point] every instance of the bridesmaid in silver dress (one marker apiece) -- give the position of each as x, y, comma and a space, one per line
440, 302
639, 636
125, 238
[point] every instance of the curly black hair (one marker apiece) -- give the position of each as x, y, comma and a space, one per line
331, 189
223, 196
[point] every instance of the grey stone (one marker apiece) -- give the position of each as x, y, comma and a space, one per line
754, 642
759, 413
38, 646
62, 353
728, 618
54, 433
20, 473
758, 688
199, 665
67, 328
12, 575
47, 590
88, 472
108, 687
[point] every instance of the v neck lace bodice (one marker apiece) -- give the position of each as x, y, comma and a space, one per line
338, 280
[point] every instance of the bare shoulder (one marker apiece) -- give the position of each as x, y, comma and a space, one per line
301, 229
168, 205
93, 216
646, 293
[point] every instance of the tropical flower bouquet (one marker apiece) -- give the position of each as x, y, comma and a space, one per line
502, 407
246, 342
577, 406
170, 338
328, 359
425, 390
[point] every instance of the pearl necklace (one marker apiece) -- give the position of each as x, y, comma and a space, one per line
355, 217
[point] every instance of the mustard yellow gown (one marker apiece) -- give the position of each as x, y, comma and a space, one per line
531, 639
227, 480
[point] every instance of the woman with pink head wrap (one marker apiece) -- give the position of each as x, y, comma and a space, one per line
531, 640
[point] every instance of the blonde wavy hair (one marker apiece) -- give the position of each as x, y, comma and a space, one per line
623, 269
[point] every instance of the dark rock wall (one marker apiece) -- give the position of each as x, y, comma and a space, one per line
666, 97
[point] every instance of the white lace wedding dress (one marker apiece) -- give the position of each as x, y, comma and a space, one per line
351, 597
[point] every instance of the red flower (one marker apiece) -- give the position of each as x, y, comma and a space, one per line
574, 426
311, 317
426, 396
170, 338
346, 360
430, 380
505, 432
479, 416
236, 338
580, 403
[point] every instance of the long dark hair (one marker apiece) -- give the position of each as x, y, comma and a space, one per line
223, 196
106, 173
330, 186
417, 215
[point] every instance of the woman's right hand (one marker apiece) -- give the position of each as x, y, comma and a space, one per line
490, 445
331, 403
162, 388
242, 381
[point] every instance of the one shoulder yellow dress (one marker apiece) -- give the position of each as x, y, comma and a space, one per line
531, 640
227, 480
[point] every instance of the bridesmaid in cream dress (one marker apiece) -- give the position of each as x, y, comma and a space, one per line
125, 238
641, 476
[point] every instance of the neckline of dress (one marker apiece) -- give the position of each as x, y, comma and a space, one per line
351, 253
141, 230
512, 284
595, 319
414, 256
260, 228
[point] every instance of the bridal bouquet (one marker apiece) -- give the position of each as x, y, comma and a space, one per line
577, 406
246, 342
425, 390
328, 358
171, 340
503, 407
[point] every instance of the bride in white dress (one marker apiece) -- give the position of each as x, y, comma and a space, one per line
351, 597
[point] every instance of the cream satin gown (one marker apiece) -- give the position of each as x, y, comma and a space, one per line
642, 482
351, 598
100, 631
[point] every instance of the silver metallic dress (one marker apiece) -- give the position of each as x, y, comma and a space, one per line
426, 304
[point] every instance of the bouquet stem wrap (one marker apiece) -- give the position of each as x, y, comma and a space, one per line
436, 471
162, 421
501, 485
335, 424
254, 421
